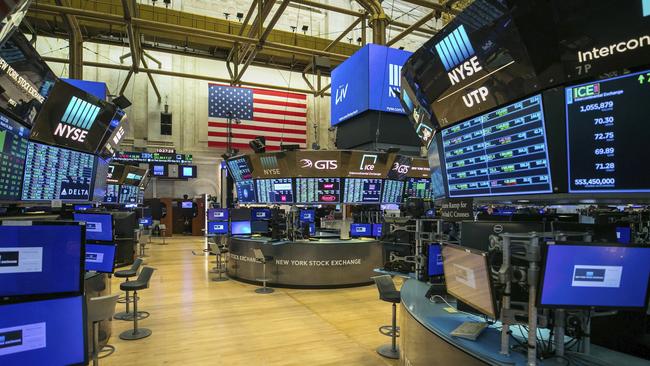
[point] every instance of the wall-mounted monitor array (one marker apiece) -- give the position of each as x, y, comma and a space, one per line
362, 190
218, 227
393, 191
277, 190
318, 190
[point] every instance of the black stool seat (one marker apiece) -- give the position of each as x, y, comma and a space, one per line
388, 293
136, 285
125, 273
390, 296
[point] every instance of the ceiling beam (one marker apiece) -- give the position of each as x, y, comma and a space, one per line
412, 28
434, 6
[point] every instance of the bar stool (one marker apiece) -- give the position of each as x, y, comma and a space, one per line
219, 269
144, 237
388, 293
127, 273
100, 309
162, 230
140, 284
261, 258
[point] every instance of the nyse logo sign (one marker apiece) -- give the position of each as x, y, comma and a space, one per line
77, 119
394, 79
341, 93
368, 162
319, 164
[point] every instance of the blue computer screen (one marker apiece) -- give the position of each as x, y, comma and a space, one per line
82, 207
146, 221
624, 235
100, 257
261, 214
40, 259
307, 215
45, 332
602, 276
435, 267
240, 227
218, 227
360, 230
218, 214
377, 230
98, 226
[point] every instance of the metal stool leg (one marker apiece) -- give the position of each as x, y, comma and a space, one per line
391, 350
136, 333
264, 289
219, 269
95, 343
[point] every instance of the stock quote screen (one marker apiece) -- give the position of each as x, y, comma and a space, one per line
279, 190
418, 187
393, 191
318, 190
362, 190
57, 173
240, 169
128, 194
606, 131
13, 148
245, 191
503, 152
112, 193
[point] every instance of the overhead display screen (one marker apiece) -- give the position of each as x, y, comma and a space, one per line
240, 169
245, 191
13, 149
393, 191
128, 195
318, 190
275, 190
418, 187
112, 193
361, 190
149, 157
503, 152
606, 131
55, 173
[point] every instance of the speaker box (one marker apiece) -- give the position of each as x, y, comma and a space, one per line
165, 123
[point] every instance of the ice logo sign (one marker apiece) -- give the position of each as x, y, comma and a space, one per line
394, 80
341, 93
78, 118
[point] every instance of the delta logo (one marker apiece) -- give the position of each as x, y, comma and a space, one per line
77, 120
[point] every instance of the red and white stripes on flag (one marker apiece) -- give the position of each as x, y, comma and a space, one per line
279, 116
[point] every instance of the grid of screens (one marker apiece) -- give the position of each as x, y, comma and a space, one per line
418, 188
503, 152
128, 194
13, 148
240, 169
318, 190
393, 191
362, 190
606, 129
279, 190
57, 173
245, 191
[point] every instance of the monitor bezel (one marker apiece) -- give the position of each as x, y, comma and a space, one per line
95, 241
106, 244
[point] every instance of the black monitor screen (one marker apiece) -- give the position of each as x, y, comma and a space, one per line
240, 169
605, 131
279, 190
98, 226
467, 276
240, 214
393, 191
434, 262
318, 190
260, 227
245, 191
41, 259
57, 173
13, 149
503, 152
44, 332
100, 257
112, 193
115, 173
596, 275
128, 195
418, 187
134, 176
362, 190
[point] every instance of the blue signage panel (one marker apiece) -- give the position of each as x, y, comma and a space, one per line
385, 82
95, 88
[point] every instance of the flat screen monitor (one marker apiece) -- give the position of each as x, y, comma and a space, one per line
41, 259
604, 130
100, 257
218, 227
503, 152
112, 193
128, 195
593, 275
307, 215
98, 226
56, 173
467, 275
240, 214
146, 221
240, 169
187, 204
240, 227
115, 173
44, 332
418, 188
13, 150
476, 234
158, 170
318, 190
259, 227
360, 230
599, 233
377, 230
393, 191
261, 214
82, 207
312, 228
278, 190
217, 214
362, 190
434, 260
187, 171
623, 235
245, 191
134, 176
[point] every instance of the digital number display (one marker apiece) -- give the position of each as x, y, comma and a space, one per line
362, 190
393, 191
606, 131
56, 173
503, 152
278, 190
245, 191
418, 188
13, 149
318, 190
239, 169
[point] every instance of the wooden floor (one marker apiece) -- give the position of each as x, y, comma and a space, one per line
199, 322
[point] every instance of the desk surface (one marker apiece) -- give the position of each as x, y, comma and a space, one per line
486, 348
323, 241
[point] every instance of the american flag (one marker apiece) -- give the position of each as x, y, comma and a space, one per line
279, 116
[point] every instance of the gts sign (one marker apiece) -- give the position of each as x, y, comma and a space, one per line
78, 118
319, 164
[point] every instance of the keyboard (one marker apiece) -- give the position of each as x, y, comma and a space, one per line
469, 330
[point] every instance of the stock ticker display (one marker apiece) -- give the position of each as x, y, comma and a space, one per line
13, 148
318, 190
393, 191
240, 169
57, 173
278, 190
128, 194
503, 152
606, 132
362, 190
418, 187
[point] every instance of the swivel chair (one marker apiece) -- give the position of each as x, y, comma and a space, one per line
220, 266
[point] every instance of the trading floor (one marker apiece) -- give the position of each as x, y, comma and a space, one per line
201, 322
